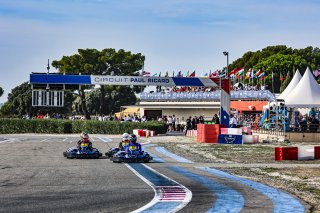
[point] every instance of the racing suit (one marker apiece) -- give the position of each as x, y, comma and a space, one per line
122, 145
89, 145
133, 148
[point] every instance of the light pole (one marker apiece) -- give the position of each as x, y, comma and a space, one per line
227, 54
225, 98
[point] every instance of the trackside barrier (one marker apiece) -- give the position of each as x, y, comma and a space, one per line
192, 133
249, 139
143, 132
208, 133
230, 139
246, 130
297, 153
231, 131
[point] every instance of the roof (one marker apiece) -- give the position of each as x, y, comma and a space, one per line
305, 94
293, 83
177, 105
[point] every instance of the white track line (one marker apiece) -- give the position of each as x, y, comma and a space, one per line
158, 197
105, 139
7, 140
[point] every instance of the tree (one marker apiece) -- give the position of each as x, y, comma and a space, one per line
1, 91
104, 62
114, 95
279, 60
20, 103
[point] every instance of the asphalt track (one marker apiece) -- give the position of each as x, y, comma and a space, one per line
35, 177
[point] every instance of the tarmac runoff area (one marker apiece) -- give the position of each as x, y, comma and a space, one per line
35, 177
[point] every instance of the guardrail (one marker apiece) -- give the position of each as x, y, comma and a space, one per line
207, 96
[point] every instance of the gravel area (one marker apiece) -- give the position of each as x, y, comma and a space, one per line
255, 162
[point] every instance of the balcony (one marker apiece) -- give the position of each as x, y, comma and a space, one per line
207, 96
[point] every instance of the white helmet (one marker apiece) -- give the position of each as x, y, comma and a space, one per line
125, 136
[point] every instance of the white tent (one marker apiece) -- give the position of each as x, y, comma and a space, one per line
293, 83
305, 94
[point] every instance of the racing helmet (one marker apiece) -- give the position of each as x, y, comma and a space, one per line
85, 137
133, 138
125, 136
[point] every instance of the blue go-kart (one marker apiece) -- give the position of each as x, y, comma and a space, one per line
112, 151
83, 152
131, 157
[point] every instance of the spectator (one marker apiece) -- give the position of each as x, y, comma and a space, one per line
201, 120
174, 122
188, 123
169, 122
303, 123
216, 119
232, 121
193, 123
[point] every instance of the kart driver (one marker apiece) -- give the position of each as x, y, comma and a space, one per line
133, 147
124, 142
84, 139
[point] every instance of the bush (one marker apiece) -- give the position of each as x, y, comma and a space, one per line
11, 126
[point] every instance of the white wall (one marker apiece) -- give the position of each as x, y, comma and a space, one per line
182, 114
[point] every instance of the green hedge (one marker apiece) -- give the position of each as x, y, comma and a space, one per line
11, 126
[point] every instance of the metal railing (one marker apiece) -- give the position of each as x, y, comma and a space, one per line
207, 96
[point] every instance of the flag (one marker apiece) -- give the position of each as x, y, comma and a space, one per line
145, 74
154, 75
316, 73
193, 74
281, 78
179, 74
167, 74
241, 71
258, 73
160, 74
272, 76
232, 73
172, 73
248, 73
222, 74
187, 74
261, 75
206, 75
214, 74
252, 71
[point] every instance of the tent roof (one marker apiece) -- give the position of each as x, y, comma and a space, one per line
293, 83
128, 111
305, 94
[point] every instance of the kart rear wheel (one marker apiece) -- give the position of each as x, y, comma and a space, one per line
146, 160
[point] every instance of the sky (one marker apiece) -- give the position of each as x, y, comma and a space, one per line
173, 35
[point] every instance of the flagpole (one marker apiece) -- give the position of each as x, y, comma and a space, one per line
272, 82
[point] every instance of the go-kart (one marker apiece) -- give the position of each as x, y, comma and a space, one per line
83, 152
112, 151
131, 157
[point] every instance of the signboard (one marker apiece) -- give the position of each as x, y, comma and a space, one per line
51, 98
230, 139
121, 80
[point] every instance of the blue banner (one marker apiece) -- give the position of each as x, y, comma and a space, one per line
230, 139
